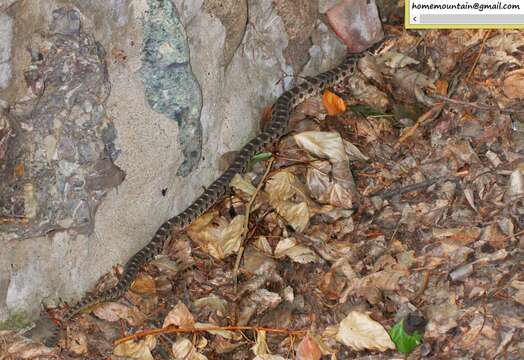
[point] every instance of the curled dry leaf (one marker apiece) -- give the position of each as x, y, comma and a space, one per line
333, 103
519, 295
360, 332
298, 253
308, 349
144, 284
261, 349
179, 316
239, 182
297, 215
113, 311
140, 350
213, 302
516, 183
507, 41
513, 85
361, 89
283, 186
14, 346
331, 184
184, 349
409, 81
322, 144
216, 235
397, 60
77, 343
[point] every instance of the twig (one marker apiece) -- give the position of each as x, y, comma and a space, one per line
246, 223
478, 54
410, 188
172, 329
433, 112
476, 106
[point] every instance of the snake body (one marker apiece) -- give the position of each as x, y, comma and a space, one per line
278, 127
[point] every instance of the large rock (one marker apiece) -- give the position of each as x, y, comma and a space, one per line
59, 239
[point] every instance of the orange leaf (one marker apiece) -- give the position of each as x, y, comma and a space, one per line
441, 87
19, 170
333, 103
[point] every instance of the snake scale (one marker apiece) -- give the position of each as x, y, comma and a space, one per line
278, 127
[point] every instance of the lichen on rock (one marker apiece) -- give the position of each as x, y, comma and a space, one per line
58, 138
169, 83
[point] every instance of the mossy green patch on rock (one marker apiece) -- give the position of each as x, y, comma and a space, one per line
15, 321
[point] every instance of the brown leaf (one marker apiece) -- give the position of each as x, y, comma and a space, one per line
140, 350
322, 144
144, 284
113, 311
179, 316
308, 349
184, 349
77, 343
19, 169
283, 186
216, 235
513, 85
360, 332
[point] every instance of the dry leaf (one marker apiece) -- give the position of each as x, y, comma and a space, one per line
308, 349
334, 104
360, 332
239, 182
298, 253
179, 316
183, 349
283, 186
519, 295
213, 302
216, 235
113, 311
397, 60
19, 170
507, 41
441, 87
77, 342
144, 284
513, 85
140, 350
261, 350
15, 346
297, 215
331, 183
325, 145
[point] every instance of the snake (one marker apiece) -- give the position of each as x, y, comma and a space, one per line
278, 127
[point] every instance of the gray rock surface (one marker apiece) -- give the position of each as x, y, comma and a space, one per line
6, 35
63, 264
170, 86
58, 162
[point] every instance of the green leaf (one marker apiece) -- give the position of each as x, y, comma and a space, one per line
261, 156
404, 342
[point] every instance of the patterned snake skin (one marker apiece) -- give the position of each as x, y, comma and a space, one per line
278, 127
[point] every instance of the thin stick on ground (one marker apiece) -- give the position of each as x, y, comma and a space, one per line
484, 107
173, 329
430, 114
485, 37
246, 222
